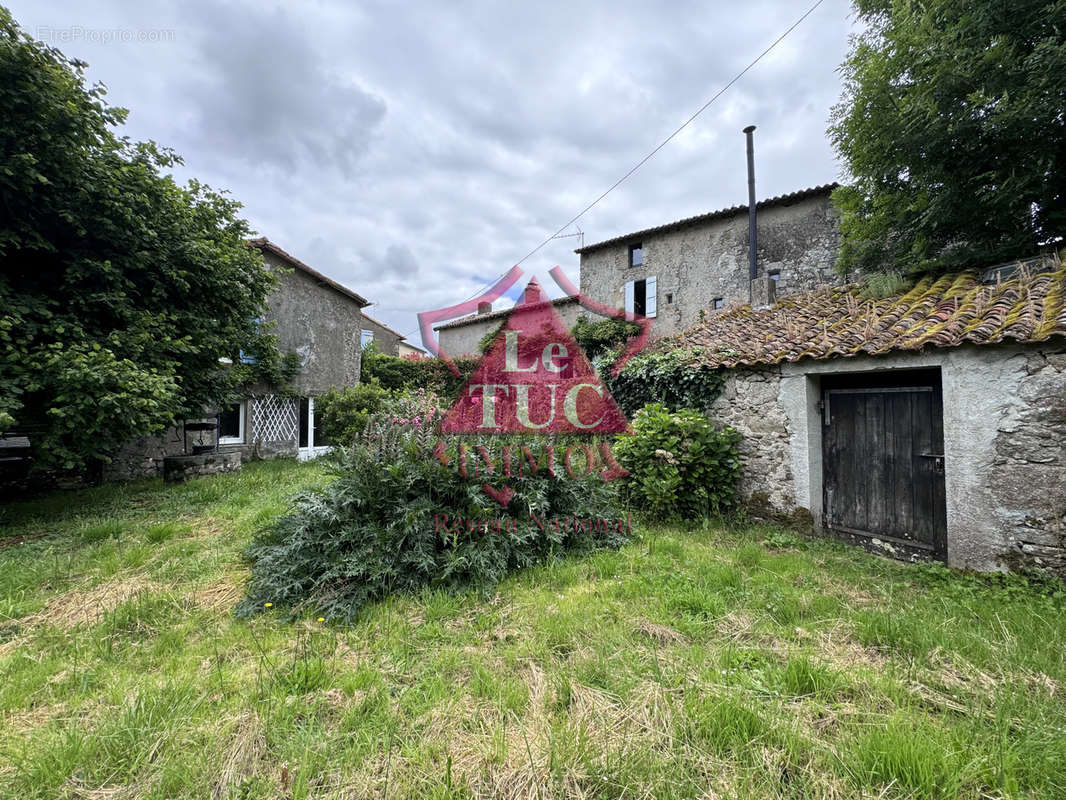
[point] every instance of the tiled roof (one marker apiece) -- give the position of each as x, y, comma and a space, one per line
502, 314
263, 243
838, 322
780, 200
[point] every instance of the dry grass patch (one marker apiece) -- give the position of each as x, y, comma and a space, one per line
245, 757
663, 634
221, 595
89, 606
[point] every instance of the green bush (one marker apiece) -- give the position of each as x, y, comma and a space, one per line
674, 379
431, 374
603, 336
343, 413
387, 523
680, 465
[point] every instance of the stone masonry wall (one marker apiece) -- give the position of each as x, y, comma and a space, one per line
697, 263
750, 403
1029, 470
321, 325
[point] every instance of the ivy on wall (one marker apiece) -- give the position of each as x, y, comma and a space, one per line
674, 379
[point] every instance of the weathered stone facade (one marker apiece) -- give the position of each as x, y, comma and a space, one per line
750, 403
698, 261
314, 317
386, 339
321, 325
1004, 416
1029, 464
462, 337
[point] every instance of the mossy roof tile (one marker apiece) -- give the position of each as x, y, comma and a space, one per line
947, 311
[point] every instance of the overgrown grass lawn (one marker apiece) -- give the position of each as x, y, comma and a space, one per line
717, 662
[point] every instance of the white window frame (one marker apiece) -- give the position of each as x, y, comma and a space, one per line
365, 340
312, 450
236, 439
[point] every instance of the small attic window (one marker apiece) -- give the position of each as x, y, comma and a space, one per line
636, 254
718, 304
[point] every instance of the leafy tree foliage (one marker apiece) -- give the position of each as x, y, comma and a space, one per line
343, 413
680, 465
953, 126
602, 336
120, 290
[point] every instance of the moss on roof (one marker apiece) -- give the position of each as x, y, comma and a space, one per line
945, 311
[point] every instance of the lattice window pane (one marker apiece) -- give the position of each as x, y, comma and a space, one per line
275, 419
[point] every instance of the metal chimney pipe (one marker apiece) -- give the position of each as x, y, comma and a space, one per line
753, 243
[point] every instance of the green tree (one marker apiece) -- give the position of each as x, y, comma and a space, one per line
120, 290
952, 125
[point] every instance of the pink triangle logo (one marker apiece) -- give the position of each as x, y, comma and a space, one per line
535, 379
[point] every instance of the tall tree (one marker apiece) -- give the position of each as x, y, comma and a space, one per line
952, 125
120, 290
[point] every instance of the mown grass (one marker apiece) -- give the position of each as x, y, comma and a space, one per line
712, 662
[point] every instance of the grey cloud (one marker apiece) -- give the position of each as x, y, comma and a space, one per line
265, 95
404, 150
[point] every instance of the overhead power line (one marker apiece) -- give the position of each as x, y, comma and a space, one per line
657, 148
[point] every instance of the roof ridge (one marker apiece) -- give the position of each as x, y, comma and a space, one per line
789, 197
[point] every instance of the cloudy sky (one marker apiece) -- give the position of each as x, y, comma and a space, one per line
417, 150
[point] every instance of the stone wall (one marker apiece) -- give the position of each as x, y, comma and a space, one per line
1028, 475
750, 403
321, 325
386, 339
1004, 447
461, 338
697, 263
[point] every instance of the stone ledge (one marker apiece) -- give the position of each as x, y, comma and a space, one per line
178, 469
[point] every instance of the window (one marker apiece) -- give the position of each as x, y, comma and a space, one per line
775, 275
368, 337
669, 299
640, 297
231, 424
636, 255
719, 303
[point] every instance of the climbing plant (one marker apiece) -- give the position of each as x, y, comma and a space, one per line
674, 379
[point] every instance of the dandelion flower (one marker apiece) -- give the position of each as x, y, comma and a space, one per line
321, 619
268, 605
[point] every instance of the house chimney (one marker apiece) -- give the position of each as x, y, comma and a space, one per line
753, 242
532, 293
484, 307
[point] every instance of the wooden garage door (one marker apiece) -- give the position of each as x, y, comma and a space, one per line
883, 461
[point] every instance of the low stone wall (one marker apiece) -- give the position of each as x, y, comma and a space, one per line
750, 403
178, 469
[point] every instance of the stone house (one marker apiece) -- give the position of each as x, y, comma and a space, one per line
930, 425
462, 337
315, 317
387, 340
684, 271
681, 272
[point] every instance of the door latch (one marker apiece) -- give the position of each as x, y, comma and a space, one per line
938, 461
